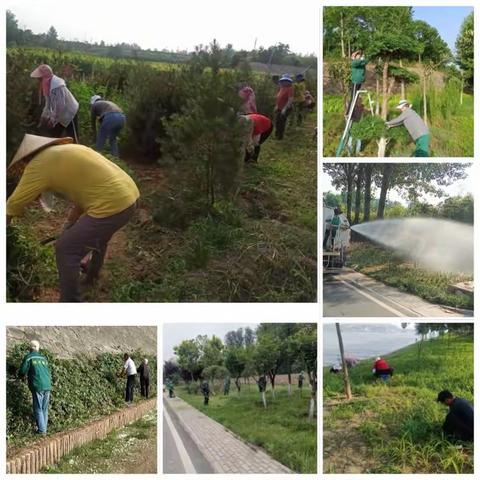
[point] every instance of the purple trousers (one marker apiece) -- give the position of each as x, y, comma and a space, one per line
88, 234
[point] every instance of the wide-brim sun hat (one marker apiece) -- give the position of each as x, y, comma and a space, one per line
285, 78
42, 71
94, 98
402, 103
32, 144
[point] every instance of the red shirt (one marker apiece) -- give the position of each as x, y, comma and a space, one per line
261, 123
283, 95
381, 365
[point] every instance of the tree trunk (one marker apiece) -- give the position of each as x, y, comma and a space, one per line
346, 379
342, 39
425, 115
402, 82
377, 95
272, 383
382, 147
264, 400
384, 111
358, 193
387, 173
289, 383
237, 384
349, 169
368, 192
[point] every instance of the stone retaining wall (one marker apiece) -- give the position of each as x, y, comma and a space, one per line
49, 450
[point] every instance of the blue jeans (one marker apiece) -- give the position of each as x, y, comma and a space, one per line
358, 145
40, 409
110, 128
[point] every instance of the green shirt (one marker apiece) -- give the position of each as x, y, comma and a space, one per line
335, 221
35, 365
358, 70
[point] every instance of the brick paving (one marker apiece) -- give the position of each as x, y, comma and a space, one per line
226, 452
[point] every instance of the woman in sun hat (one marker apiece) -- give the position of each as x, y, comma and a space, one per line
59, 114
283, 104
103, 200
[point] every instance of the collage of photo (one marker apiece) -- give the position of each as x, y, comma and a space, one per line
165, 308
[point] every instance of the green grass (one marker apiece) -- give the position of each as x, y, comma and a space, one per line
400, 422
387, 267
113, 453
283, 429
449, 137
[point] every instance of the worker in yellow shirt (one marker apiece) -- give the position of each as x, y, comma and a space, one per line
104, 199
299, 90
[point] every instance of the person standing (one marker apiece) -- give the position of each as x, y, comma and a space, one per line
458, 423
226, 386
299, 96
170, 387
357, 75
144, 373
205, 388
261, 129
283, 105
301, 378
112, 121
35, 367
415, 126
129, 371
331, 230
103, 200
60, 112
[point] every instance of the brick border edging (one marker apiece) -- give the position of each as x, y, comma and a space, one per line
204, 450
49, 450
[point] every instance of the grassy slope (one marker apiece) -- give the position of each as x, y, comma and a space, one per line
448, 139
400, 423
283, 429
385, 266
122, 451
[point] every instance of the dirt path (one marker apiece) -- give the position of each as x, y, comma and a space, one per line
344, 449
131, 449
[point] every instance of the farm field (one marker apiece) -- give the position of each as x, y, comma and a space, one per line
248, 236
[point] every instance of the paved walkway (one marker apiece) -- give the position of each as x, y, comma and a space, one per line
225, 452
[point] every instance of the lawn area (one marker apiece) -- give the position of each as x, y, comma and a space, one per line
386, 266
283, 429
131, 449
396, 427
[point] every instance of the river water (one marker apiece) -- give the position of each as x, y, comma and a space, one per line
365, 340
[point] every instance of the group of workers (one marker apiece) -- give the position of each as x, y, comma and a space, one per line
36, 369
458, 424
292, 96
410, 119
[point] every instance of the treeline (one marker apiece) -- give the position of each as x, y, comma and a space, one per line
83, 388
271, 349
358, 181
231, 58
426, 329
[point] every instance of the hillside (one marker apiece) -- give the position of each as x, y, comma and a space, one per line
396, 428
67, 342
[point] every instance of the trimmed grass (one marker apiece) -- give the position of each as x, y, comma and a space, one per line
113, 453
387, 267
400, 422
283, 429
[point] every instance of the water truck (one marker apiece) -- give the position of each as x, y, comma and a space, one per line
336, 238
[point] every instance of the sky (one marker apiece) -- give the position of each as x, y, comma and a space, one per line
174, 333
447, 20
177, 25
461, 187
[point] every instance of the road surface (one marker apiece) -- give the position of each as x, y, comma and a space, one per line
352, 294
180, 454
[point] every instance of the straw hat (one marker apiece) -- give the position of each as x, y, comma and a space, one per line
32, 144
42, 71
402, 103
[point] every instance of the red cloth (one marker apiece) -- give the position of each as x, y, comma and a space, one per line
381, 365
283, 95
261, 123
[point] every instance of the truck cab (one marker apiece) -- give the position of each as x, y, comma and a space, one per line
335, 249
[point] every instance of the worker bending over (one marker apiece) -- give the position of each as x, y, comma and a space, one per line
458, 423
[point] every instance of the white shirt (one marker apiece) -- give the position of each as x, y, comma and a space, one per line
130, 368
60, 105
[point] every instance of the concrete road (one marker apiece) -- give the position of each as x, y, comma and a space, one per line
180, 454
352, 294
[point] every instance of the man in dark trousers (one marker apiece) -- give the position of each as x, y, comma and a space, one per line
205, 388
35, 368
144, 373
458, 423
129, 371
